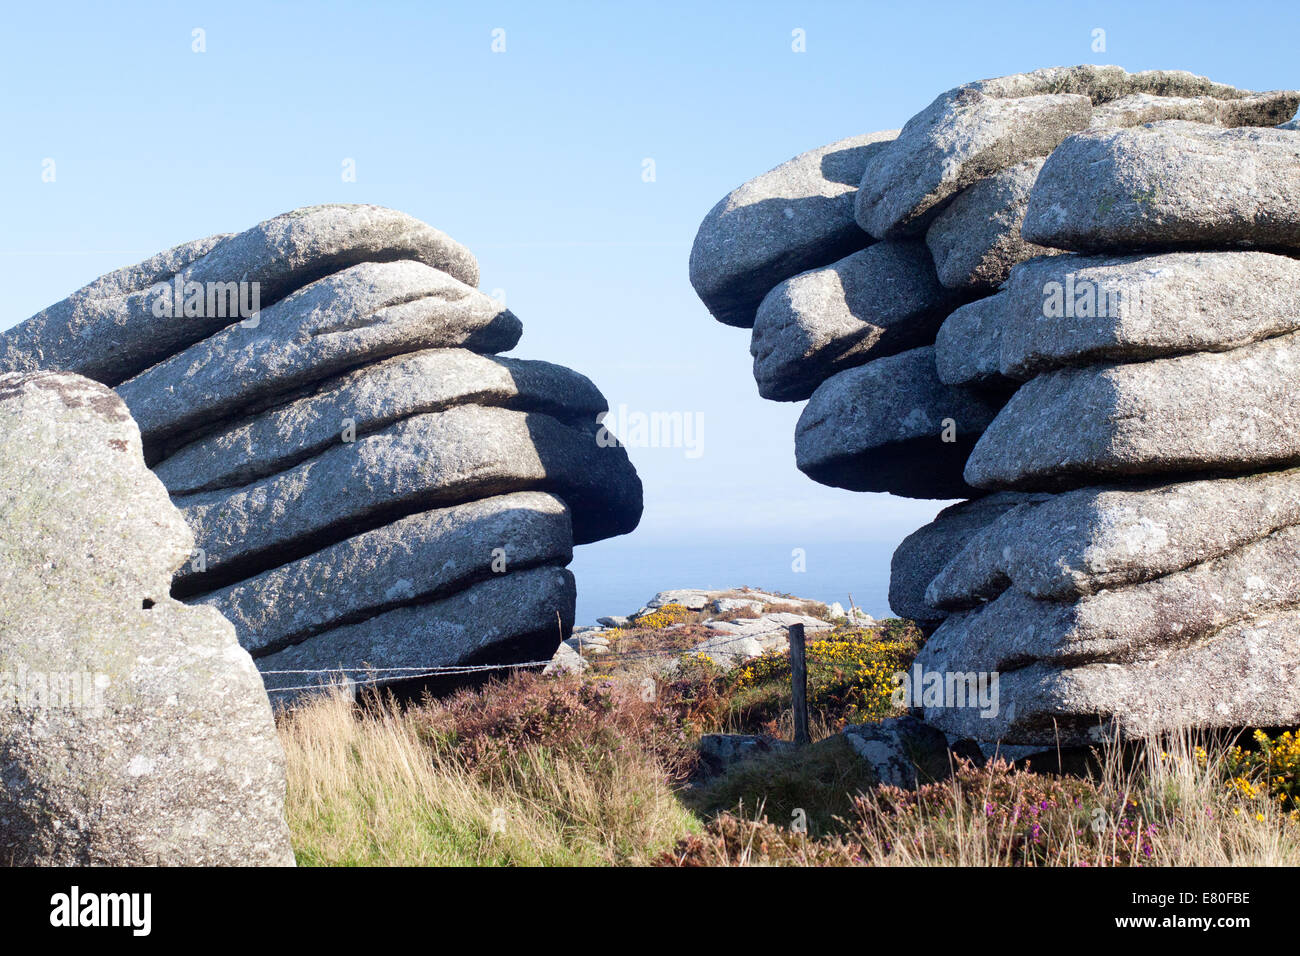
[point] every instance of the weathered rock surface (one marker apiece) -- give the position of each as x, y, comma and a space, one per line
976, 240
426, 461
1203, 412
795, 217
883, 427
960, 138
1060, 547
1078, 310
361, 402
1169, 184
133, 729
366, 313
902, 751
122, 323
311, 393
976, 130
1255, 109
1247, 675
877, 302
925, 552
968, 347
517, 617
1129, 624
1081, 310
417, 558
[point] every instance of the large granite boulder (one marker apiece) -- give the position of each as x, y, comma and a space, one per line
368, 399
1063, 546
124, 322
366, 313
891, 425
1207, 411
351, 455
881, 301
926, 552
968, 346
417, 558
1245, 675
512, 619
436, 459
1083, 310
962, 137
795, 217
1169, 184
976, 240
134, 730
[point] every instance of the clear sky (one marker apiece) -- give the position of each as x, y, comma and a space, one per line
534, 158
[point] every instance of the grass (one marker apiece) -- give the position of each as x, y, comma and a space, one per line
595, 771
814, 786
372, 788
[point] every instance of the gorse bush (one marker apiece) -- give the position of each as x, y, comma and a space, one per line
1270, 772
850, 676
665, 616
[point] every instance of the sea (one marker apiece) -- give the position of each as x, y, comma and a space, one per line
620, 575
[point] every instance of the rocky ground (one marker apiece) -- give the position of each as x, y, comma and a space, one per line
723, 628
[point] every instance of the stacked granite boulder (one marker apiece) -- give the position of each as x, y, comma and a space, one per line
370, 485
1109, 382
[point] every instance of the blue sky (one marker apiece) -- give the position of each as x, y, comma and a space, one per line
533, 158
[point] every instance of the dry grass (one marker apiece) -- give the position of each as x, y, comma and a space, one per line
368, 788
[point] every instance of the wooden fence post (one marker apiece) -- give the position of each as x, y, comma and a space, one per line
799, 684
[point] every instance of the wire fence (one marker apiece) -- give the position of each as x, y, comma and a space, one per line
379, 675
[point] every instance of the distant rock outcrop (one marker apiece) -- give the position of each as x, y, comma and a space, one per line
371, 487
1113, 387
134, 730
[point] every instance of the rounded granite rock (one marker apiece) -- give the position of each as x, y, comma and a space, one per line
1207, 412
360, 402
365, 313
795, 217
881, 301
121, 324
1172, 184
891, 425
432, 460
418, 558
134, 730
